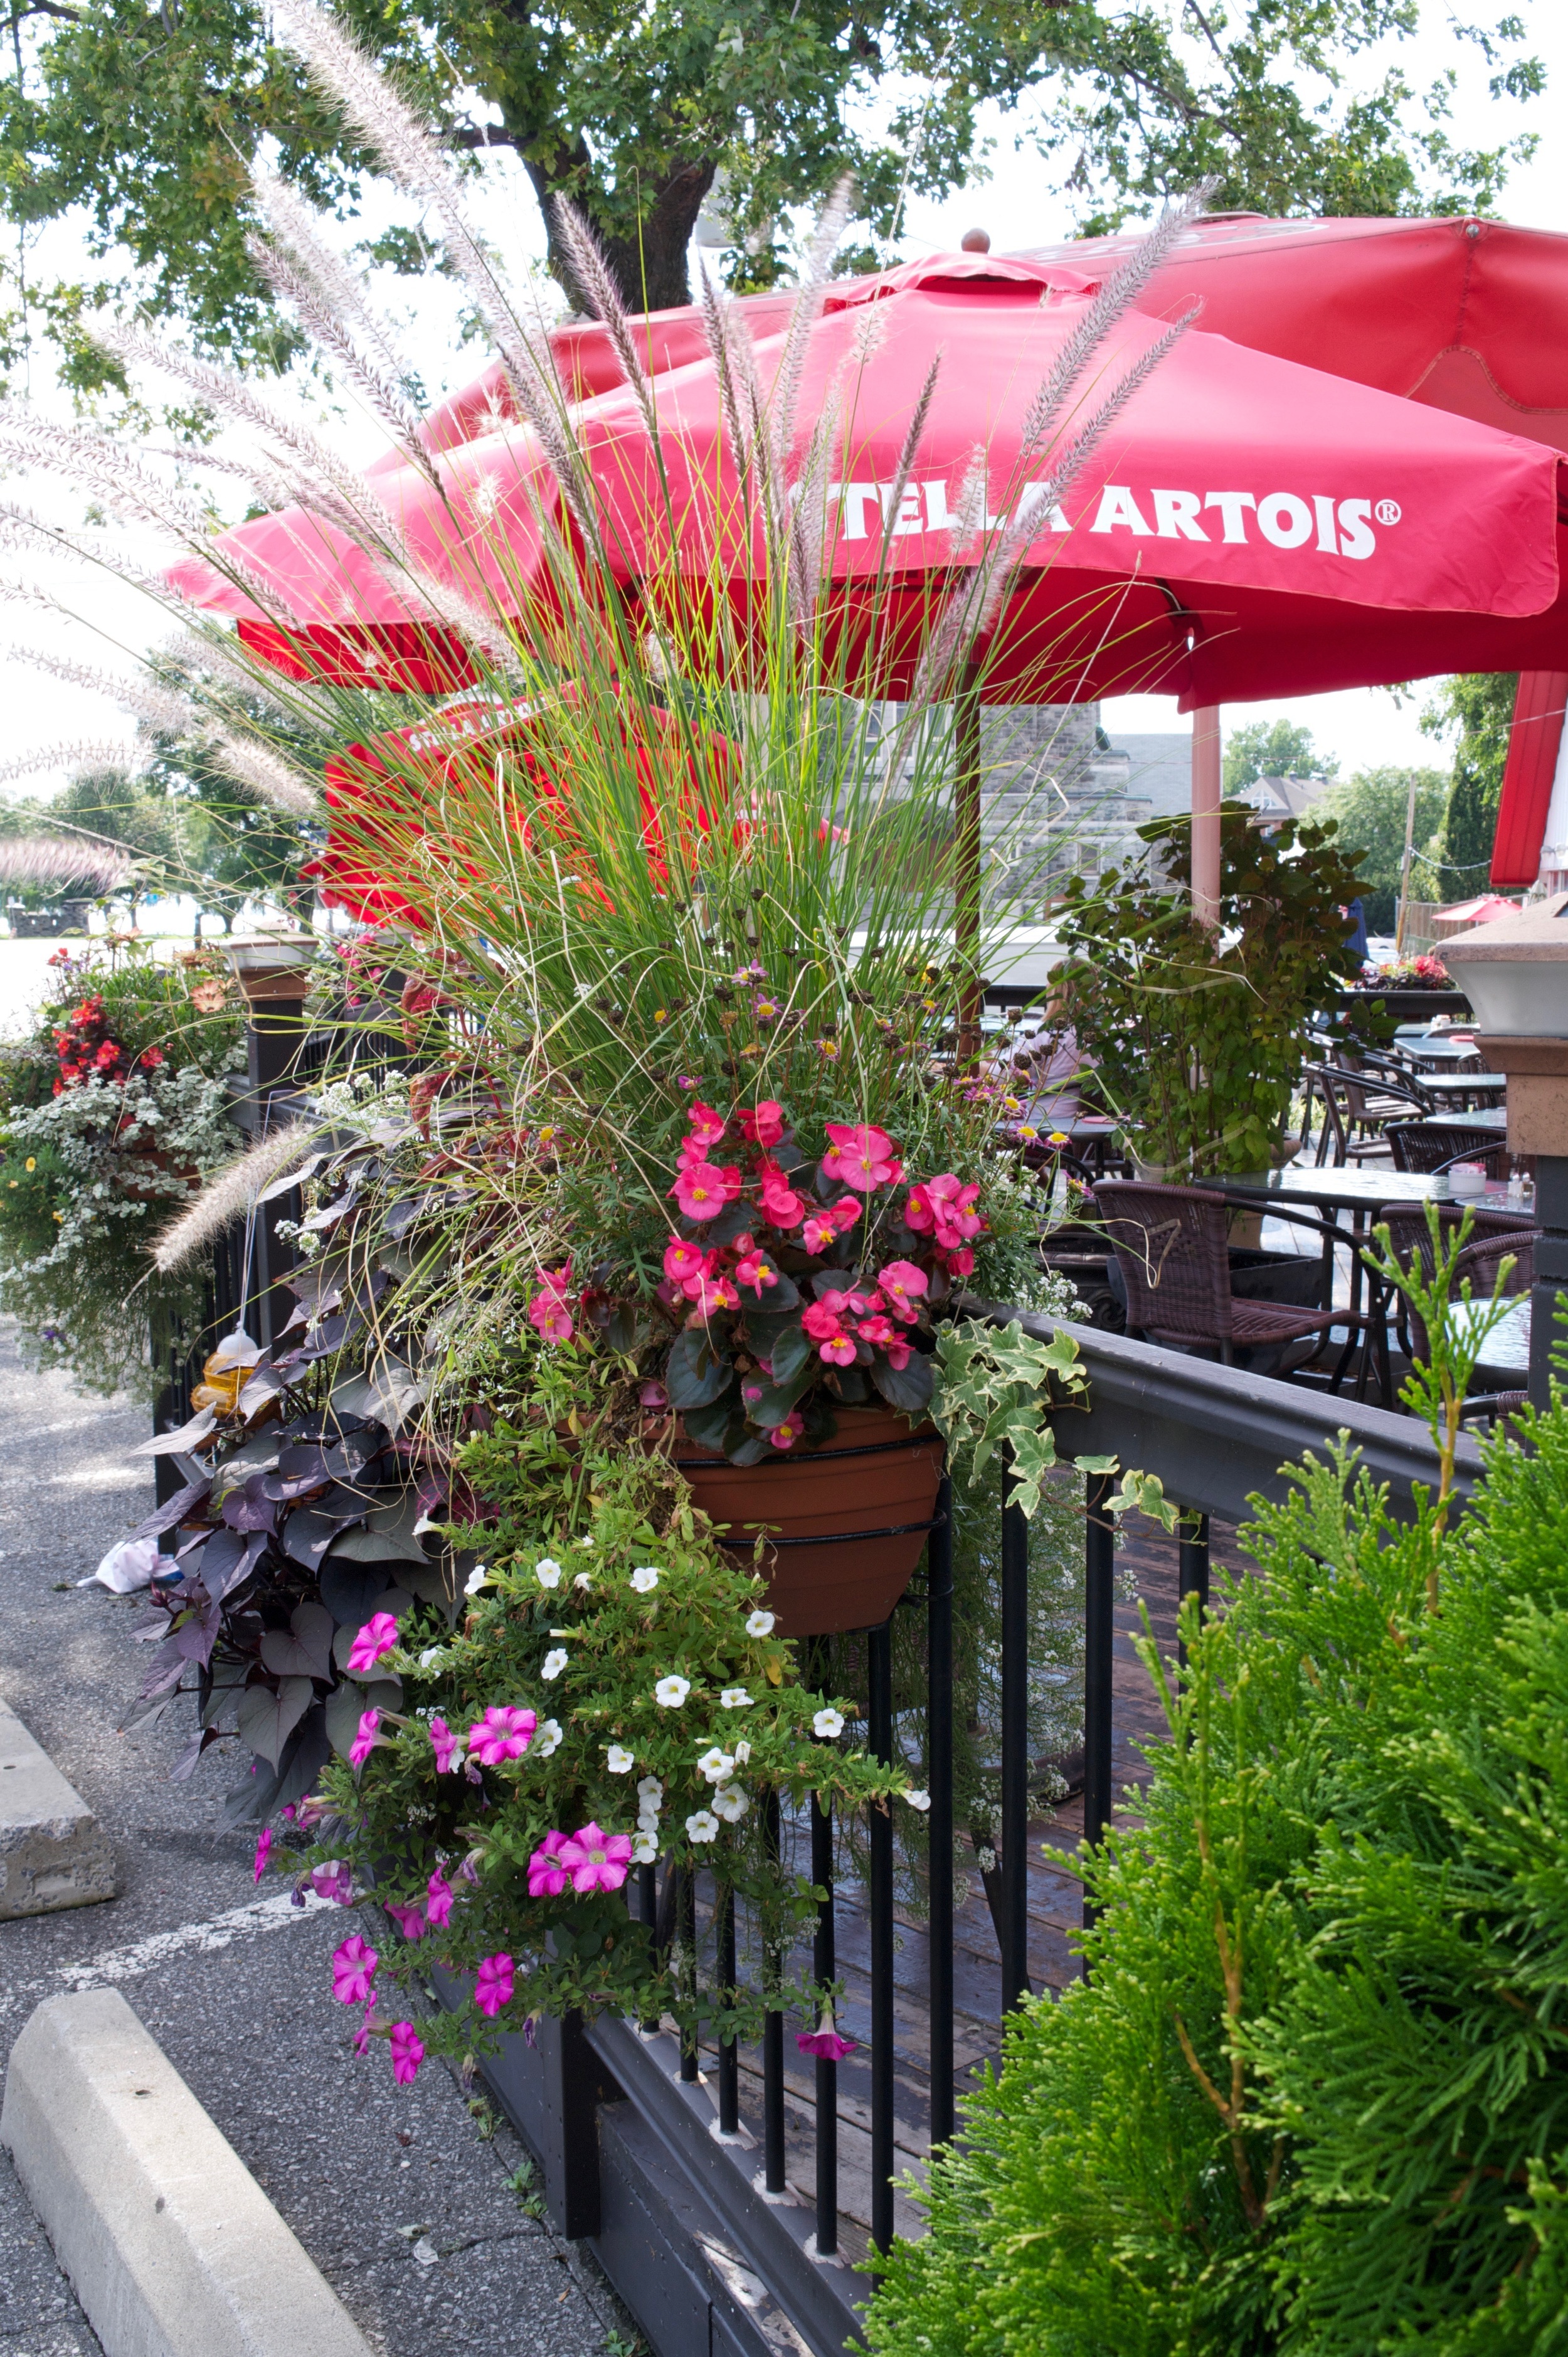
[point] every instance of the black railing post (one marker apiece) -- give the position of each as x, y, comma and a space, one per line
1192, 1567
688, 1919
939, 1726
729, 2047
880, 1671
1015, 1924
1099, 1599
823, 1967
772, 2045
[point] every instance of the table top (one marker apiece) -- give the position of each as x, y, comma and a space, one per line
1484, 1117
1338, 1189
1505, 1349
1458, 1084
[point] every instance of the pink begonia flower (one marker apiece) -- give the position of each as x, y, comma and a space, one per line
781, 1206
263, 1848
505, 1732
757, 1270
364, 1743
493, 1987
378, 1637
407, 2053
598, 1861
828, 833
826, 2043
838, 1350
547, 1878
902, 1284
551, 1318
822, 1319
763, 1125
449, 1748
880, 1332
438, 1897
751, 1392
861, 1156
785, 1435
684, 1260
819, 1233
334, 1880
944, 1206
960, 1261
711, 1293
652, 1394
897, 1353
353, 1970
843, 1213
410, 1921
706, 1125
702, 1191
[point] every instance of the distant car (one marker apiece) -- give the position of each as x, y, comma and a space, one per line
1380, 949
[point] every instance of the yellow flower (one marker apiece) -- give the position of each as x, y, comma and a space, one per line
31, 1162
545, 1136
1027, 1130
661, 1015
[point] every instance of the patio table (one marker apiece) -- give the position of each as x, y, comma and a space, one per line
1360, 1193
1505, 1351
1463, 1087
1484, 1117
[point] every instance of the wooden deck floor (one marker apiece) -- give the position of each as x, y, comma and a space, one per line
1054, 1912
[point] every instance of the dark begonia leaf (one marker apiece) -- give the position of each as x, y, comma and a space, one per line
832, 1280
303, 1649
695, 1375
349, 1590
751, 1451
850, 1387
735, 1219
908, 1387
778, 1399
709, 1427
267, 1716
790, 1353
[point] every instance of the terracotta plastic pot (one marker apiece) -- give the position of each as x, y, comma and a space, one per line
847, 1521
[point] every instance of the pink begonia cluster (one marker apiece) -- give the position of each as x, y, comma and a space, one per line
589, 1860
548, 1311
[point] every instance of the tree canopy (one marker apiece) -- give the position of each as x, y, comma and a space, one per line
1371, 808
144, 120
1272, 748
1481, 707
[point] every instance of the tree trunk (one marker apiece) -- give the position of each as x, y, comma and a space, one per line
649, 266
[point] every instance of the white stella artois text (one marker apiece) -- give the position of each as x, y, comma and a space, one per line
1335, 527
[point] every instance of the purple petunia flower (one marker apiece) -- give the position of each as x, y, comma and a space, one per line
407, 2053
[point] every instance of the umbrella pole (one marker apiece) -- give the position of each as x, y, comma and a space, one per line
966, 865
1205, 787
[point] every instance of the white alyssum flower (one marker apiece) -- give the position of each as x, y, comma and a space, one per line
479, 1577
760, 1624
644, 1577
715, 1765
548, 1738
702, 1827
547, 1571
619, 1760
826, 1724
645, 1846
731, 1803
921, 1801
734, 1698
671, 1691
554, 1662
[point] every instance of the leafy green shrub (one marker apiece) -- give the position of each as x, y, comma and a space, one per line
1314, 2097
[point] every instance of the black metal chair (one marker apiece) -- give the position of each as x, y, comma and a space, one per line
1355, 1110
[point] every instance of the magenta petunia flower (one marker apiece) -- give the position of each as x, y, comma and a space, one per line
263, 1850
493, 1987
861, 1156
410, 1921
334, 1880
407, 2053
547, 1878
598, 1860
353, 1970
376, 1638
364, 1743
827, 2044
448, 1747
505, 1732
438, 1897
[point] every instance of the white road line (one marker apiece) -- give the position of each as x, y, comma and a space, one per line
147, 1955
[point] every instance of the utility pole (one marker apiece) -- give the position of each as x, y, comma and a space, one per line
1404, 869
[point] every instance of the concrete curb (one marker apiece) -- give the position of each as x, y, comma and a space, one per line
170, 2244
52, 1853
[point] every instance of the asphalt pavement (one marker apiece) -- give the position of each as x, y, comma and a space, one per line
412, 2202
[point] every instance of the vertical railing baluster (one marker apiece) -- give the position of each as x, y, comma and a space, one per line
1192, 1566
647, 1896
1015, 1927
823, 1968
880, 1667
1099, 1628
688, 1906
772, 2045
939, 1822
729, 2047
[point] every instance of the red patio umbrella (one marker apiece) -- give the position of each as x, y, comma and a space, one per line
1247, 527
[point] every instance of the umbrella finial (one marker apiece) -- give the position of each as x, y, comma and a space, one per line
976, 241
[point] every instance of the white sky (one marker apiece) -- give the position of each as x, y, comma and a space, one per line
1018, 204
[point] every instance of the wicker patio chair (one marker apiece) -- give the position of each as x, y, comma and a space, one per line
1432, 1145
1354, 1113
1496, 1237
1170, 1245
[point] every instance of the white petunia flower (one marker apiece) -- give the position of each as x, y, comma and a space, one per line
644, 1577
554, 1662
547, 1571
921, 1801
731, 1803
645, 1847
760, 1625
619, 1760
734, 1698
742, 1754
702, 1827
548, 1739
651, 1789
479, 1577
671, 1691
582, 1580
715, 1765
431, 1654
826, 1724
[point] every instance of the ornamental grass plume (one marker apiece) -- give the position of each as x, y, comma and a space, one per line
230, 1195
57, 862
